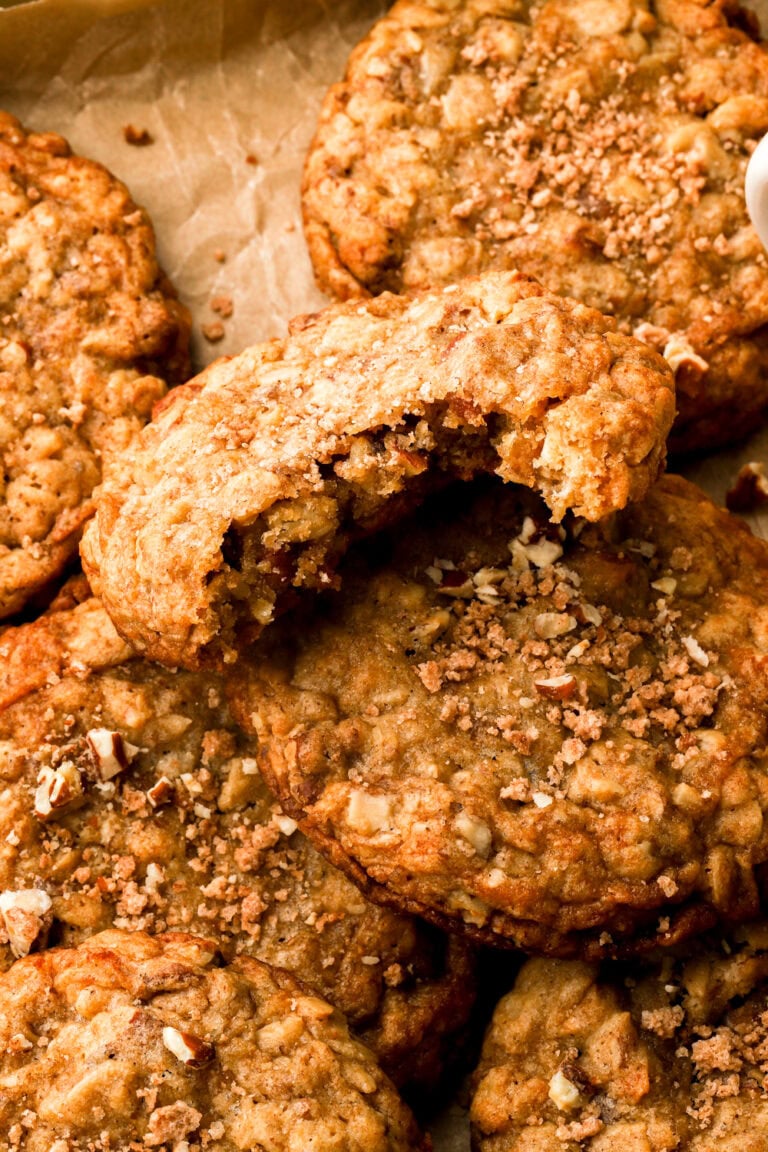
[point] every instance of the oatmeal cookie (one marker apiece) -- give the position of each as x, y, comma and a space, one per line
599, 145
132, 1042
90, 333
670, 1055
553, 737
130, 799
258, 472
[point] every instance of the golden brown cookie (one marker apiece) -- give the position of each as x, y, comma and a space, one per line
131, 1042
599, 145
130, 799
667, 1056
254, 477
553, 737
90, 334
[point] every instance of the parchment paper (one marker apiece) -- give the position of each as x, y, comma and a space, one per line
229, 91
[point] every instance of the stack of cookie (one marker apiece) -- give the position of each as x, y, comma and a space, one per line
180, 966
393, 640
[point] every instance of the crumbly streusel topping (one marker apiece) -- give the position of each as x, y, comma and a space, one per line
555, 736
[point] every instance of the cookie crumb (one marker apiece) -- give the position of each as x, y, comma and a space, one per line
213, 332
223, 306
139, 137
749, 490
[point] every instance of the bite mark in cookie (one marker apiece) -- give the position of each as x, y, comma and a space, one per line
253, 478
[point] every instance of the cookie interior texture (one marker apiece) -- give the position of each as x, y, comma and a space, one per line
552, 736
668, 1055
599, 145
256, 475
133, 1042
130, 799
91, 333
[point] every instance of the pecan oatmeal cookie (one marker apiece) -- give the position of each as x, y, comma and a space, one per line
90, 332
257, 473
131, 1042
128, 798
670, 1056
599, 145
554, 737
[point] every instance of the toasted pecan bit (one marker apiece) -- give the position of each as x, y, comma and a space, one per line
695, 650
24, 915
188, 1048
543, 553
161, 792
683, 360
557, 687
59, 790
286, 825
110, 752
562, 1092
549, 625
665, 584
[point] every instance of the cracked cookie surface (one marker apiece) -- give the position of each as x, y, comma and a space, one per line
90, 335
133, 1042
554, 737
254, 477
131, 800
598, 146
668, 1055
